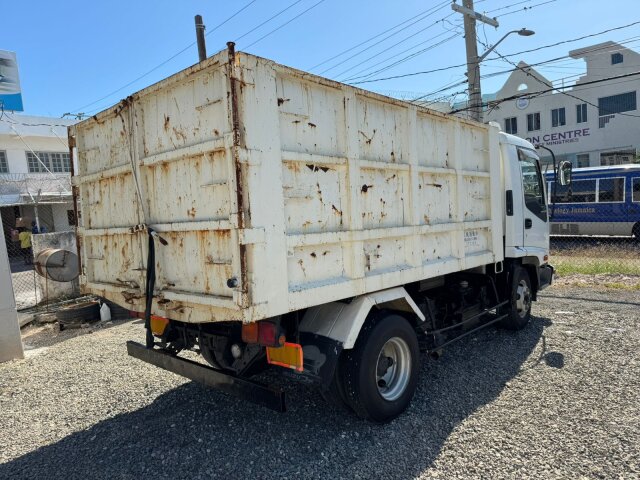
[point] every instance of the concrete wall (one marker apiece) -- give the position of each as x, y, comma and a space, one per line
48, 288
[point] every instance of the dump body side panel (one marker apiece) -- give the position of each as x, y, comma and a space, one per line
304, 190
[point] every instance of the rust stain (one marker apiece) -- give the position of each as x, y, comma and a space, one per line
390, 178
191, 212
325, 252
306, 224
166, 123
179, 134
393, 157
301, 263
315, 168
216, 132
427, 220
312, 125
338, 212
437, 185
365, 188
296, 121
282, 100
313, 254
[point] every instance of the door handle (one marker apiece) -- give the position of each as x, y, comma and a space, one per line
528, 223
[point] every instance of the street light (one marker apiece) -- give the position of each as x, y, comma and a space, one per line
475, 96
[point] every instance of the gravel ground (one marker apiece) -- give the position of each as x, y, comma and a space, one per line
556, 400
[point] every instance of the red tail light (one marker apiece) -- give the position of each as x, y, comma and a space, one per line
264, 333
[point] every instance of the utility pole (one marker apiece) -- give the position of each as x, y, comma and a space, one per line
202, 47
473, 61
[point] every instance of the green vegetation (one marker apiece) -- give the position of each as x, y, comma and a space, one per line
567, 265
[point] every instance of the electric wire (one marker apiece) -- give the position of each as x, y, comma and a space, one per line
268, 20
180, 52
284, 24
422, 17
446, 2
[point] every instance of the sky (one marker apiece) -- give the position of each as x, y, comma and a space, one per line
79, 56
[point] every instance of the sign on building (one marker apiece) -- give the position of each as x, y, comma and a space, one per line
10, 94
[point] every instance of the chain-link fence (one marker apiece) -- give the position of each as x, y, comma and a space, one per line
595, 222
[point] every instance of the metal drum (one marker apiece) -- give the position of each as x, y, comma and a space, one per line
57, 264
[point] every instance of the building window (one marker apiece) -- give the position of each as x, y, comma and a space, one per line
581, 113
617, 158
611, 190
578, 191
558, 117
533, 122
623, 102
582, 160
56, 162
511, 125
4, 166
616, 58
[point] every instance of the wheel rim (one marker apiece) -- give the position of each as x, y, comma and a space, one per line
523, 298
393, 368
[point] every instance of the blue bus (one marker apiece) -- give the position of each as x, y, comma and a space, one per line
598, 201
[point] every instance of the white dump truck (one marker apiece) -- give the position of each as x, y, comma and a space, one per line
266, 217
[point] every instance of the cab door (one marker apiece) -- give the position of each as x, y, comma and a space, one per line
535, 224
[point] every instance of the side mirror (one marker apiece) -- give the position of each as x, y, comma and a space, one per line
563, 175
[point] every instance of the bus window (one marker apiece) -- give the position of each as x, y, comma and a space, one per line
611, 190
636, 189
579, 191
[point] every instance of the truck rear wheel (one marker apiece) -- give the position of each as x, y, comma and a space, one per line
380, 374
519, 310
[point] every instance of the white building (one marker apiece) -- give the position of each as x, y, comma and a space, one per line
589, 125
35, 182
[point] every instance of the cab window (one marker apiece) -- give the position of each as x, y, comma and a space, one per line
532, 184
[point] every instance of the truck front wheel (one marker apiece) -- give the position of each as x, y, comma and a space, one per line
380, 373
521, 297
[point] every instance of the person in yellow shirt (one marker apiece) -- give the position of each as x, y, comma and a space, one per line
25, 245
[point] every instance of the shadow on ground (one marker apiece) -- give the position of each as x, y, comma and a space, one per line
192, 432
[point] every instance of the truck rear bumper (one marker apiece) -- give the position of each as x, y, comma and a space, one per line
546, 276
258, 393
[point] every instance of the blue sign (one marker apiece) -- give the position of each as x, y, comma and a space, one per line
10, 94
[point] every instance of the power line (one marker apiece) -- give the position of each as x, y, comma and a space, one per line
160, 64
570, 41
533, 95
450, 67
373, 38
405, 59
229, 18
268, 20
524, 9
284, 24
560, 91
393, 56
422, 17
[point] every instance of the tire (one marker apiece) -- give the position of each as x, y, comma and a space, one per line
376, 389
519, 311
82, 312
335, 394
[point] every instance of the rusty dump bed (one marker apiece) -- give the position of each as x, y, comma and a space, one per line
277, 190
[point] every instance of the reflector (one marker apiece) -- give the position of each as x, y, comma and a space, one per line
288, 356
